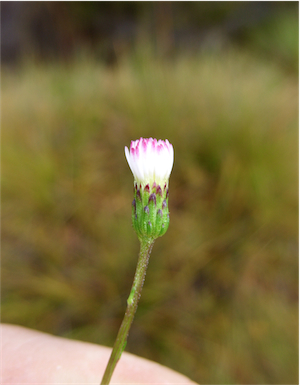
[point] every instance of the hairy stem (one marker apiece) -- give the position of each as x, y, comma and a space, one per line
132, 303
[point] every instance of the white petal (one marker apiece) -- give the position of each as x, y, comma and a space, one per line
150, 160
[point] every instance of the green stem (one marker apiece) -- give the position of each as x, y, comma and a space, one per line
132, 303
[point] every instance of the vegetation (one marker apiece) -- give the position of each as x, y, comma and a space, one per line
220, 301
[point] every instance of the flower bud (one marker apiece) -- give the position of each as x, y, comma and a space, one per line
151, 162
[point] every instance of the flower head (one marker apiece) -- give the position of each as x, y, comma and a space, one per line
150, 161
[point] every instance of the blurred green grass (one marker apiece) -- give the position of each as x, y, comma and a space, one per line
220, 301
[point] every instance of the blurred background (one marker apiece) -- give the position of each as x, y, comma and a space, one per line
219, 80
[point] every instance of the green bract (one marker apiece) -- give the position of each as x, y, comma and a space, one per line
150, 212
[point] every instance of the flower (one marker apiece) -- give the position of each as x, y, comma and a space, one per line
151, 163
